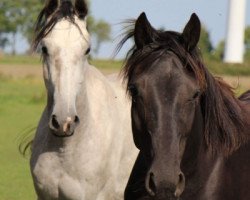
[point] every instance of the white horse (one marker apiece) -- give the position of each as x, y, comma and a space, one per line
83, 148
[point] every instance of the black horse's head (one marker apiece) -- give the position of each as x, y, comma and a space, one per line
178, 108
165, 93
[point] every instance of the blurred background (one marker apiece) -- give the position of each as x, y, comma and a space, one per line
22, 94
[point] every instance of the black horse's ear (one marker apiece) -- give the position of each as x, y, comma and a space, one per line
191, 32
144, 32
81, 8
50, 7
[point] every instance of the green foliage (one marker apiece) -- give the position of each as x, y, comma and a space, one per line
18, 16
99, 30
218, 52
33, 7
247, 43
3, 40
205, 44
247, 36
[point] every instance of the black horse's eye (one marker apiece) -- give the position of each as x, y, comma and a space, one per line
196, 94
132, 90
44, 50
87, 51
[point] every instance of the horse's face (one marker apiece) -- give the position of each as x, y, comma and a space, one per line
165, 95
65, 49
163, 109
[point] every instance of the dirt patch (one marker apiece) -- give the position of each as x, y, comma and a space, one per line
25, 70
20, 71
240, 83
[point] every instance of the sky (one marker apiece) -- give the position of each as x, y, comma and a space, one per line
169, 14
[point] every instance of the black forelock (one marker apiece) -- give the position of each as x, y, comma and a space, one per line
163, 42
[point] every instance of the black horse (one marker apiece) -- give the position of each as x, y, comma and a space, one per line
191, 130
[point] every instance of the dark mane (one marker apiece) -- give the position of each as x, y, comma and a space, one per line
224, 115
225, 118
52, 13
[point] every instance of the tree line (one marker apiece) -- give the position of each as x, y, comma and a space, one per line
19, 17
217, 52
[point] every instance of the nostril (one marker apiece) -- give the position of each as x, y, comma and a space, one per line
150, 184
181, 177
180, 185
76, 119
55, 123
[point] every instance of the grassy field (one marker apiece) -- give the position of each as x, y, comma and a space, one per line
21, 103
22, 98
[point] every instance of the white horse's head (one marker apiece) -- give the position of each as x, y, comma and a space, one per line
65, 44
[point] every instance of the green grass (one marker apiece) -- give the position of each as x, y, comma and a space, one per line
220, 68
107, 64
20, 59
21, 104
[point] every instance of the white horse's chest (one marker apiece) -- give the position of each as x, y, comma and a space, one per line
78, 174
54, 181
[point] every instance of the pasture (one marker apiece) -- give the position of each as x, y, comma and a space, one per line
22, 98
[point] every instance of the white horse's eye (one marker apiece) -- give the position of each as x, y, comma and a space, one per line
44, 50
87, 51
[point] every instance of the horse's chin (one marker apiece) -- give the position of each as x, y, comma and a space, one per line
166, 195
62, 135
159, 198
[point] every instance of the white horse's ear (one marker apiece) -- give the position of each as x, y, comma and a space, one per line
81, 8
144, 33
50, 7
